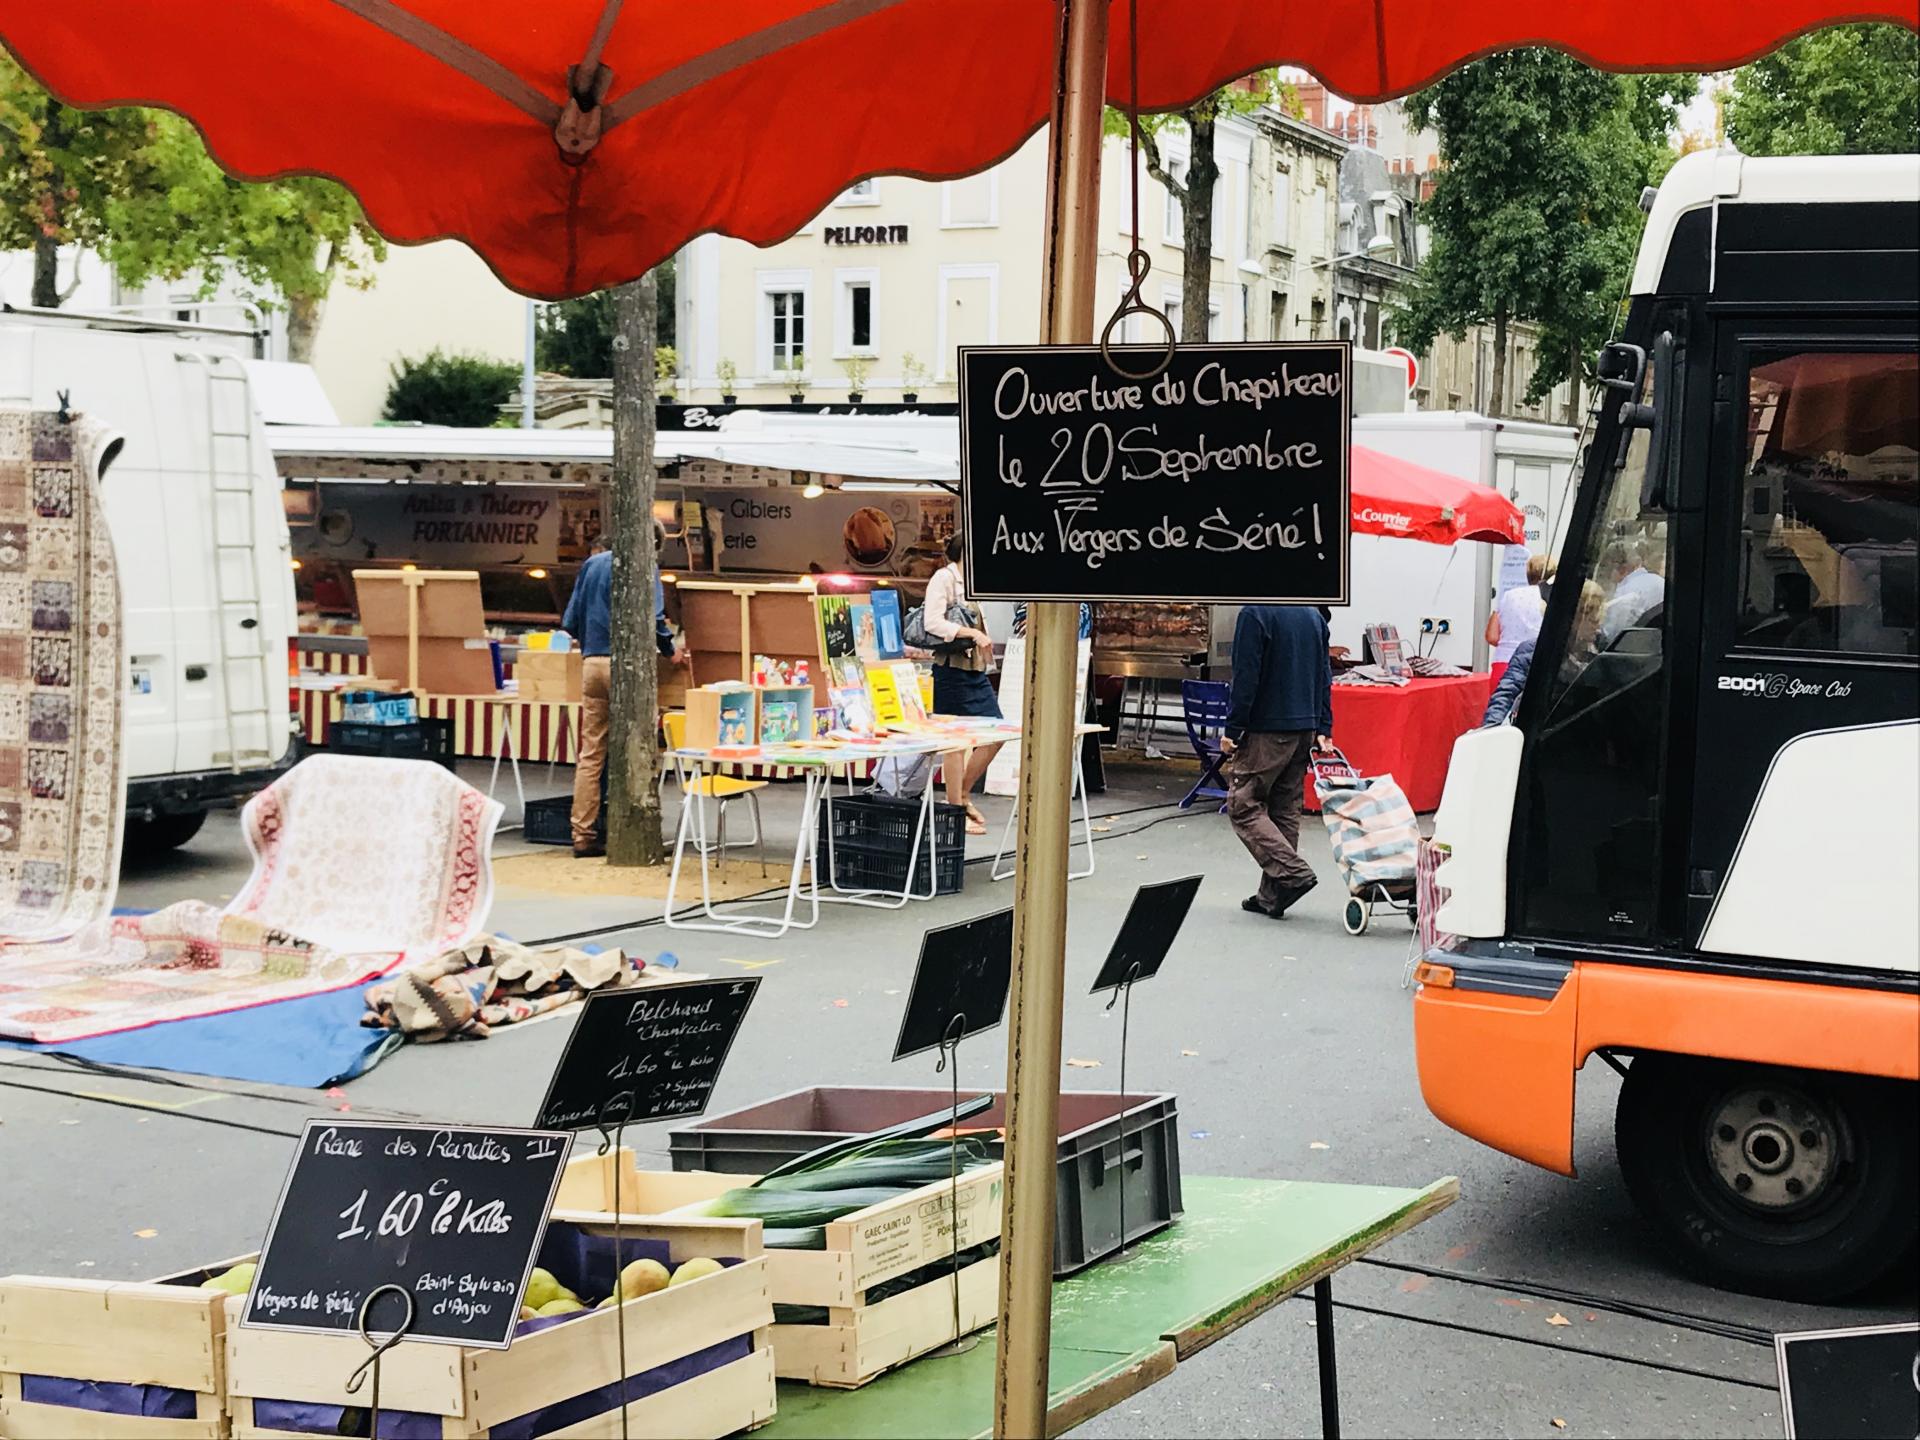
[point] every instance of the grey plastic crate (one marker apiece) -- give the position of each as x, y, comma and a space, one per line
1113, 1146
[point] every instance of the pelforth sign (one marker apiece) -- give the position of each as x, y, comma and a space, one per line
1224, 478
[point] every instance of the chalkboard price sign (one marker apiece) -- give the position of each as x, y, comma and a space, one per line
649, 1052
1856, 1384
451, 1215
1223, 479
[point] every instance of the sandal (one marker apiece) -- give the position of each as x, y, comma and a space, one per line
976, 822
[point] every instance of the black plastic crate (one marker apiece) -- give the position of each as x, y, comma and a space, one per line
871, 836
1114, 1146
883, 823
421, 740
550, 821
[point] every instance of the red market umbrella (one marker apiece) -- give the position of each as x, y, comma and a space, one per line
1397, 497
575, 143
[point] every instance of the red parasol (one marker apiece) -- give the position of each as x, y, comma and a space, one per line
575, 143
1410, 502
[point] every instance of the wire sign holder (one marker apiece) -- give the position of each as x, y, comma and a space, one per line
959, 989
1153, 920
640, 1054
370, 1367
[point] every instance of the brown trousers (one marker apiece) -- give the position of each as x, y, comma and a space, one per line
1263, 802
596, 672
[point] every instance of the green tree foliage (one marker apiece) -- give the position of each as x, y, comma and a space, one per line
575, 337
138, 186
1534, 215
1849, 90
442, 389
1192, 186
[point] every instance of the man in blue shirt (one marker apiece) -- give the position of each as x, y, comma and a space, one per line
589, 620
1282, 711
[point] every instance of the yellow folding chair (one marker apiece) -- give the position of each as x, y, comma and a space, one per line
722, 790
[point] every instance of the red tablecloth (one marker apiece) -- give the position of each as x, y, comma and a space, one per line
1407, 731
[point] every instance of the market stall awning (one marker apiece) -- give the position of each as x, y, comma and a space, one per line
454, 455
1391, 496
576, 143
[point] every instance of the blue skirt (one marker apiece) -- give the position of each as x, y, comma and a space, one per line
963, 692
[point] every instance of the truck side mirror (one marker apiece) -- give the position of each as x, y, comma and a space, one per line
1619, 366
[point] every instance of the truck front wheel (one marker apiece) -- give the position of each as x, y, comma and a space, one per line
1791, 1183
159, 833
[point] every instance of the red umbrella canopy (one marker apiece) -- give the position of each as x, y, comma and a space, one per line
576, 143
1399, 498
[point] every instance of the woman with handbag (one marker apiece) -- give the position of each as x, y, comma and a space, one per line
962, 660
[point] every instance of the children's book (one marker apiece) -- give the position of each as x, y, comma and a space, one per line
823, 722
889, 705
852, 712
906, 683
888, 637
866, 644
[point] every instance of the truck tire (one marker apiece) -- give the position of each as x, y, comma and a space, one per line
159, 833
1795, 1184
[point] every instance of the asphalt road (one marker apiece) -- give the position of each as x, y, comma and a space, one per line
1301, 1067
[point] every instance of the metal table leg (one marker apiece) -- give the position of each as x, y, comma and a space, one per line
1329, 1379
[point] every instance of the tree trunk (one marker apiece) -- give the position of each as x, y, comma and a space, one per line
303, 327
633, 801
1196, 228
1497, 403
46, 271
46, 244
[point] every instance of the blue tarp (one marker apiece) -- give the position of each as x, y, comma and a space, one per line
314, 1041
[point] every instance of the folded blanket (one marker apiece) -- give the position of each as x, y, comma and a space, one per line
465, 993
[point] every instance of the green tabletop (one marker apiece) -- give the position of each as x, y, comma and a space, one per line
1242, 1247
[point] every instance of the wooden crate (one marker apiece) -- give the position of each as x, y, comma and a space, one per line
113, 1332
474, 1390
861, 1339
587, 1184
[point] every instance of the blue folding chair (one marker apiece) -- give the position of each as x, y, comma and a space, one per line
1204, 705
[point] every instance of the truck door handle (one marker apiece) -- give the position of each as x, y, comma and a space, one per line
196, 672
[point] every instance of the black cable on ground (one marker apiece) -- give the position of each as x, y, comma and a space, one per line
1680, 1319
1604, 1355
151, 1110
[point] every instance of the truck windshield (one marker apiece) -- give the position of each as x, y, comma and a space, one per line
1596, 715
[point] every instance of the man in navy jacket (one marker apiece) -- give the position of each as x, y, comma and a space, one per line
1282, 712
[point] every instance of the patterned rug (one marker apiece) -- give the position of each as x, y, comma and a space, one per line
360, 866
60, 682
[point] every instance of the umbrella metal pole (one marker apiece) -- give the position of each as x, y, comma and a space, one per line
1046, 776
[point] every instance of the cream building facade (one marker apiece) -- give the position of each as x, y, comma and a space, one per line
890, 280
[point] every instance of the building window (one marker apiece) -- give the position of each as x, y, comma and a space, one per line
1177, 168
971, 203
1277, 317
1170, 306
1282, 209
784, 340
1319, 318
861, 192
1244, 220
856, 312
789, 315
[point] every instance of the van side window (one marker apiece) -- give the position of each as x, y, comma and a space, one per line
1831, 480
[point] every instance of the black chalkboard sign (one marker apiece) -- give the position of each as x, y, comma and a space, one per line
650, 1052
1154, 918
1223, 479
1858, 1384
964, 971
453, 1215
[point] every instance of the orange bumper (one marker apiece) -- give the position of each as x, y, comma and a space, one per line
1500, 1067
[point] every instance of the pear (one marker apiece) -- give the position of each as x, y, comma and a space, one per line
236, 1281
527, 1312
643, 1277
542, 1288
611, 1299
695, 1269
565, 1305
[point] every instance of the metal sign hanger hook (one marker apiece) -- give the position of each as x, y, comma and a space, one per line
1139, 263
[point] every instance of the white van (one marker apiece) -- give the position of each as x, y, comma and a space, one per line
193, 501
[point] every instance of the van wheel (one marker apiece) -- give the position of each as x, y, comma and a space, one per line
163, 832
1795, 1184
